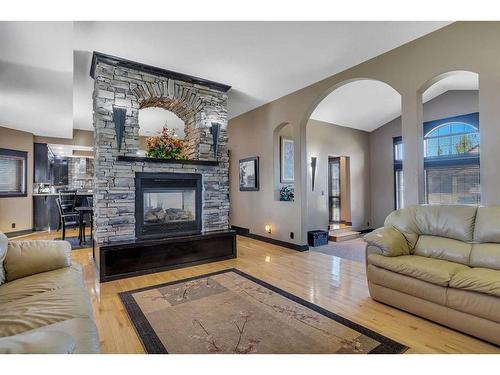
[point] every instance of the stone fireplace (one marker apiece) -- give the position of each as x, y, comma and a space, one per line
190, 196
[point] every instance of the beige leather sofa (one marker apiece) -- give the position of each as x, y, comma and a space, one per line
44, 307
441, 263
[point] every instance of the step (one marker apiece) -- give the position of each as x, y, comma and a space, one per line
343, 236
339, 228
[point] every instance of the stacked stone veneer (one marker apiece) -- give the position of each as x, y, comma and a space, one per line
114, 181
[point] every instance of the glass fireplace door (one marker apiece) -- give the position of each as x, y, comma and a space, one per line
169, 206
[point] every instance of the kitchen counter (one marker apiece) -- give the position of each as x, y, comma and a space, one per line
45, 211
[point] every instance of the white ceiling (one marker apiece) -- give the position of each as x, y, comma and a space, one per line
262, 61
369, 104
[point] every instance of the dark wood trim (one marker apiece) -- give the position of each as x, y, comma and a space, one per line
19, 233
20, 154
245, 232
118, 61
135, 159
165, 253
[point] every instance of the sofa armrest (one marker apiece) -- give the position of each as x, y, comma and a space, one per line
389, 240
25, 258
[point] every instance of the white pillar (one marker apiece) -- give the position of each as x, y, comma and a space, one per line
413, 162
489, 130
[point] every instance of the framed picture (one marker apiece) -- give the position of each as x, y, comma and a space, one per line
249, 174
286, 160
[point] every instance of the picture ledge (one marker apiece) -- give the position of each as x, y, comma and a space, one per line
166, 161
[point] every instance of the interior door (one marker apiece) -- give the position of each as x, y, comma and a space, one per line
334, 189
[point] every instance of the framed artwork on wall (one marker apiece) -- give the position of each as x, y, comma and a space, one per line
286, 160
249, 174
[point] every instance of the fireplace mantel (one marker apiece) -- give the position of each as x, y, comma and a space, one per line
134, 159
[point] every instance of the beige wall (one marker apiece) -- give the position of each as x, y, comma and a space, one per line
409, 69
323, 140
17, 210
451, 103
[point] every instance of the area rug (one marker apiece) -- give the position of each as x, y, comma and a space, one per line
232, 312
75, 242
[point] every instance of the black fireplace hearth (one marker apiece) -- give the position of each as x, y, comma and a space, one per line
167, 204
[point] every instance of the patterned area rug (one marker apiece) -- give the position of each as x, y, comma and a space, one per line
232, 312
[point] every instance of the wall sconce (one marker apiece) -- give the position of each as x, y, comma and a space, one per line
119, 116
215, 131
268, 228
313, 170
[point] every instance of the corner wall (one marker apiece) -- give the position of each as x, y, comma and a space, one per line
18, 210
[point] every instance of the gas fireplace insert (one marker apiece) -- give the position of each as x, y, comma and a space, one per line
167, 204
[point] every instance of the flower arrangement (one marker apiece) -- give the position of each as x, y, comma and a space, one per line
287, 193
165, 146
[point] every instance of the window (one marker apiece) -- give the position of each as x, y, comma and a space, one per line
13, 172
451, 160
398, 172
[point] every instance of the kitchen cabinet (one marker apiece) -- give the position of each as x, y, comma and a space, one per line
59, 172
41, 163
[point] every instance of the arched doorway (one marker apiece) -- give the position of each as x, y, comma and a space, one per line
337, 135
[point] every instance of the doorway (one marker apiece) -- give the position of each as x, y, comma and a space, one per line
339, 205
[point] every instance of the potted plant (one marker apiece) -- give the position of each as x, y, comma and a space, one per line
287, 193
166, 145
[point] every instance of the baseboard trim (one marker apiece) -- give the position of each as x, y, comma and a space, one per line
19, 233
245, 232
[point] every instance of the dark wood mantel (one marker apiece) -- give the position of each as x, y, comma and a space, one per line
133, 159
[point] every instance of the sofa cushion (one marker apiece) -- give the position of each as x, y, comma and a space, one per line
406, 284
485, 255
456, 222
40, 283
55, 342
4, 242
483, 280
443, 248
43, 309
25, 258
483, 305
487, 228
435, 271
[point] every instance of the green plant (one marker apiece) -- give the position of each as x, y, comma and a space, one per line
464, 145
287, 193
165, 146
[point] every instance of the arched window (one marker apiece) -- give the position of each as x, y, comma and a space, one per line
451, 139
451, 150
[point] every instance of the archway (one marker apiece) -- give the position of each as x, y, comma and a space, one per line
451, 139
337, 139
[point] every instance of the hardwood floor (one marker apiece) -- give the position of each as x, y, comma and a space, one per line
336, 284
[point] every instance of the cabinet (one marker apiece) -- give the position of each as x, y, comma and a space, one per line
45, 214
59, 172
41, 163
